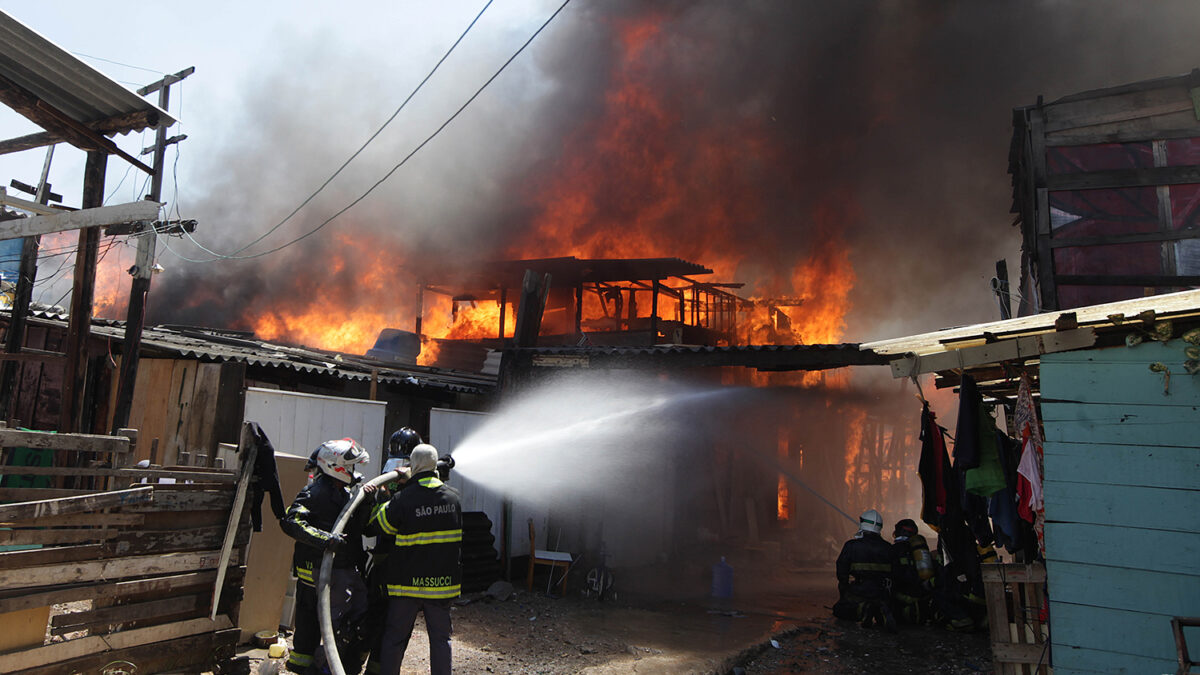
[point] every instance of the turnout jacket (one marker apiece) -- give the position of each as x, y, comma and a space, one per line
425, 518
864, 567
309, 520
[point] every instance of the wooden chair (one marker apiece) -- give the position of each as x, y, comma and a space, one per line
552, 559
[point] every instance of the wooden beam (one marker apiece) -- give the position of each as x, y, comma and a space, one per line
81, 520
1124, 178
1107, 240
125, 613
1156, 280
117, 124
134, 474
112, 568
92, 644
15, 438
55, 536
74, 220
1004, 350
31, 356
32, 207
92, 502
105, 590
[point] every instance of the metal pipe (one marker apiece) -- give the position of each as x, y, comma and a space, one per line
323, 617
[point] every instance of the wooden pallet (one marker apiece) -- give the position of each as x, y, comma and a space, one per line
143, 566
1016, 597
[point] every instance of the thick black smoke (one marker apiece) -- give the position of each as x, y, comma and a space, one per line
891, 118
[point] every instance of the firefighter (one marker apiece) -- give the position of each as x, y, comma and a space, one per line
912, 574
309, 520
424, 568
400, 447
864, 574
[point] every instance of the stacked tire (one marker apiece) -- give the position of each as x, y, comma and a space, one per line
481, 563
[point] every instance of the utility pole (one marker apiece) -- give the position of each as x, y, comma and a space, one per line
23, 296
143, 266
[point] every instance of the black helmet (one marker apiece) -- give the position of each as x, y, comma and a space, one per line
403, 441
905, 528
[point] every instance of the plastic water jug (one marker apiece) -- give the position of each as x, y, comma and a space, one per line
722, 580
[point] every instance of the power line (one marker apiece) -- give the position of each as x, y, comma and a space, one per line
374, 135
118, 63
410, 154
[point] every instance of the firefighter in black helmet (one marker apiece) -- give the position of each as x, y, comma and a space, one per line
402, 442
912, 574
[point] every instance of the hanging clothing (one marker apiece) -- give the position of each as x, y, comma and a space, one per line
939, 498
967, 432
1030, 469
1002, 506
986, 478
265, 480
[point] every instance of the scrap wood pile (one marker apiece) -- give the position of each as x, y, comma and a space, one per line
104, 565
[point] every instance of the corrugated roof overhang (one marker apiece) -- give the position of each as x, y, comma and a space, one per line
995, 352
46, 84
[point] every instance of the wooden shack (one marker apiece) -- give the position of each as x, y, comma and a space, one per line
1118, 404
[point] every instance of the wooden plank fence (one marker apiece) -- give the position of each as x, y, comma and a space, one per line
1016, 601
124, 564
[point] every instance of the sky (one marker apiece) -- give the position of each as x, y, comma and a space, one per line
799, 130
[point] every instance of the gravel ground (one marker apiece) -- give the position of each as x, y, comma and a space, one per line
787, 630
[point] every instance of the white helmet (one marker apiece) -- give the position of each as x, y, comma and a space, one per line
870, 521
337, 459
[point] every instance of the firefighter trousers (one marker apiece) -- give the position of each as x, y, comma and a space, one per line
402, 615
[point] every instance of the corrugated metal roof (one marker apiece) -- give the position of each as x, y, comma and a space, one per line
1164, 306
209, 344
761, 357
566, 272
71, 86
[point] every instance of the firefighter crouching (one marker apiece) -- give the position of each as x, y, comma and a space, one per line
309, 520
864, 571
912, 574
424, 568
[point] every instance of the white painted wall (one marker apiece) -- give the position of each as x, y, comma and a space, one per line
446, 429
297, 423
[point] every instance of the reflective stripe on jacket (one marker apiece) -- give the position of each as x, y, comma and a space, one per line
425, 518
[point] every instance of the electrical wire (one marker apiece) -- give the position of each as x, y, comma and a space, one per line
420, 146
118, 63
374, 135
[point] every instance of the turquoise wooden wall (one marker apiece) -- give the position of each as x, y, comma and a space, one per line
1122, 491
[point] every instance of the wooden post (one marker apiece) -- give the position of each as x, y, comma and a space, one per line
143, 268
247, 451
503, 310
579, 310
23, 296
654, 312
420, 308
82, 294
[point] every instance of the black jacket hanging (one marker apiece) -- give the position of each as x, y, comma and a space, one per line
265, 479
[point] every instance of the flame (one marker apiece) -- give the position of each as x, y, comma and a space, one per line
644, 177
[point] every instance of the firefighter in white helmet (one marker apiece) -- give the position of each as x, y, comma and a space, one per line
864, 574
309, 520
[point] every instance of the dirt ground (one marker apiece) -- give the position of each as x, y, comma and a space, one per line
782, 626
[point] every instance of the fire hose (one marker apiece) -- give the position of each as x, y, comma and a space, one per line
323, 611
